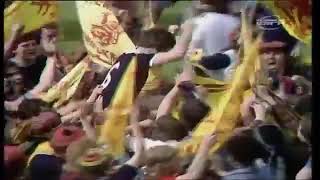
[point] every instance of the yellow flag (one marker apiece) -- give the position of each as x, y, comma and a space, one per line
67, 86
103, 36
104, 40
225, 117
295, 16
32, 14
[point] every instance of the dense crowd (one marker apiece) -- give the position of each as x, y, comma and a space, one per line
271, 139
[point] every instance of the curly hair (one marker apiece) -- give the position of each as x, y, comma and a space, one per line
157, 38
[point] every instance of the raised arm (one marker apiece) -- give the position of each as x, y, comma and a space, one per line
168, 102
170, 99
196, 169
179, 50
46, 78
15, 33
137, 158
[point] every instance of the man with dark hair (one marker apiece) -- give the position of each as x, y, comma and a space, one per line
166, 129
37, 65
27, 59
244, 150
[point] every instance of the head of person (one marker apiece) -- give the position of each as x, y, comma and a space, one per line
25, 48
29, 108
18, 87
88, 157
304, 105
49, 37
12, 73
272, 138
127, 22
275, 50
13, 83
161, 161
194, 107
250, 150
193, 111
158, 38
45, 122
166, 129
43, 166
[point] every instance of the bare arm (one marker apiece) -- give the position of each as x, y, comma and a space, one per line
71, 106
15, 33
178, 51
46, 78
196, 169
86, 119
98, 105
137, 158
168, 102
171, 98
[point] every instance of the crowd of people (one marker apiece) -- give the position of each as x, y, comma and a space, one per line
272, 139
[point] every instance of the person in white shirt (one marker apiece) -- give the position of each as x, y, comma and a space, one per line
212, 31
211, 34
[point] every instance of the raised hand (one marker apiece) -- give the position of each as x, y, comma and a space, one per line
49, 40
98, 90
17, 28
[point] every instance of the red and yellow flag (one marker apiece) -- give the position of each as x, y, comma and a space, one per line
32, 14
105, 41
294, 15
104, 38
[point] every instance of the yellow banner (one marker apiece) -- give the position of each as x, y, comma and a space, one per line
32, 14
105, 41
103, 36
67, 86
295, 16
224, 117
